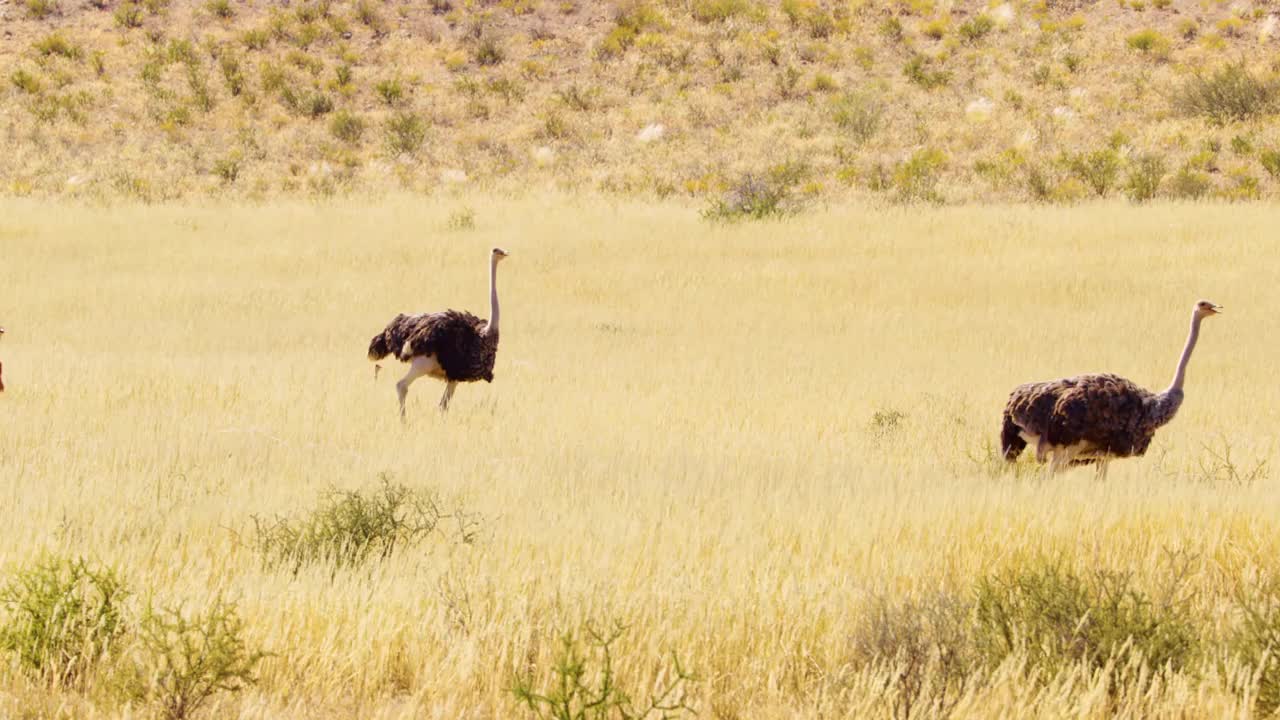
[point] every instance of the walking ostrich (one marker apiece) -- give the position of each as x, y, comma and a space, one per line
1093, 418
452, 345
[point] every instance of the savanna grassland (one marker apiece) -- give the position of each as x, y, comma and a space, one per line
765, 449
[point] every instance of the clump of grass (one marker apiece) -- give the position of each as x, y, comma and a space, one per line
128, 15
1149, 42
232, 73
405, 132
630, 20
41, 9
925, 72
858, 116
461, 219
583, 682
1145, 174
976, 28
186, 659
227, 168
1057, 618
708, 11
62, 616
25, 81
221, 9
348, 528
1270, 160
256, 38
57, 44
488, 51
1189, 184
347, 127
1231, 93
390, 90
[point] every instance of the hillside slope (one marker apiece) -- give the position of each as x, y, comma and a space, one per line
912, 100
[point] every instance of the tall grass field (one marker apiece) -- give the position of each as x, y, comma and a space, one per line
742, 470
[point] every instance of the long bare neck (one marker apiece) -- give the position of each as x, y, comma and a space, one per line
1181, 375
493, 296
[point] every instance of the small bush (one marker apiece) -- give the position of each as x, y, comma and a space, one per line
220, 9
315, 104
1241, 186
186, 659
256, 39
62, 616
348, 528
858, 116
489, 52
708, 11
25, 81
57, 44
1189, 184
1058, 618
1229, 94
390, 90
1098, 169
758, 197
1149, 42
935, 29
921, 71
917, 179
41, 9
976, 28
367, 13
926, 645
405, 132
584, 683
1144, 177
891, 29
347, 127
228, 168
128, 15
232, 73
1270, 160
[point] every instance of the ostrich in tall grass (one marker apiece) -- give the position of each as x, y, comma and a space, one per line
452, 345
1094, 418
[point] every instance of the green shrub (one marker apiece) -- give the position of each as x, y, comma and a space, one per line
256, 38
921, 71
1058, 618
1144, 176
1229, 94
61, 616
348, 528
405, 133
186, 659
41, 9
583, 682
976, 28
228, 168
891, 29
1149, 42
1189, 183
367, 13
719, 10
347, 127
1270, 160
858, 116
1098, 169
759, 196
232, 73
315, 104
220, 9
925, 645
128, 15
917, 179
57, 44
1241, 185
489, 52
390, 90
25, 81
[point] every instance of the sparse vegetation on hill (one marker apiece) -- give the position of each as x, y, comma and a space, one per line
148, 99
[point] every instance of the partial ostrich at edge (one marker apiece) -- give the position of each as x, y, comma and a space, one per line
453, 346
1093, 418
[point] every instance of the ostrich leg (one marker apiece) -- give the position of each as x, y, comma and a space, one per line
448, 393
417, 369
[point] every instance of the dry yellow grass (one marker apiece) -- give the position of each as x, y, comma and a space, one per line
679, 436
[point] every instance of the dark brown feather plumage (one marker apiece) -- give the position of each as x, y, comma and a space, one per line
459, 340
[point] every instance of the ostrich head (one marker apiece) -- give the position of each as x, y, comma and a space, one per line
1205, 309
498, 254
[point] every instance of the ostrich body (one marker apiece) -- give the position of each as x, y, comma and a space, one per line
1093, 418
453, 345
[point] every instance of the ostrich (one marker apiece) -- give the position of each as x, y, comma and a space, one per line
1093, 418
452, 345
